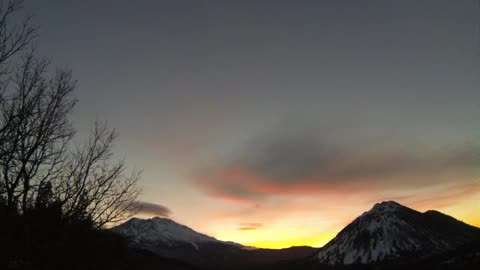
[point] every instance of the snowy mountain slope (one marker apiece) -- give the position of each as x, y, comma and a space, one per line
156, 231
390, 231
169, 239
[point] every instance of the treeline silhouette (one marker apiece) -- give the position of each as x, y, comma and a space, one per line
42, 239
56, 195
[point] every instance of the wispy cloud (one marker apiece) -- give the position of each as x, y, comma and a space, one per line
249, 226
152, 209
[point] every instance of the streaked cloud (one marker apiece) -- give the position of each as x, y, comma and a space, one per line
148, 208
249, 226
283, 164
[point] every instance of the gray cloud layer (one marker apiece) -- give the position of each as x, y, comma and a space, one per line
285, 159
153, 209
290, 161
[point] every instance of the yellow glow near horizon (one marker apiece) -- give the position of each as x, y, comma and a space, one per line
298, 225
292, 232
317, 241
466, 211
276, 238
273, 239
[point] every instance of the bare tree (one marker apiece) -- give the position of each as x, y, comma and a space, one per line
95, 185
37, 130
15, 38
36, 149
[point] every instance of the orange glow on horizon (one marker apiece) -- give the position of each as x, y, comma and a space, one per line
318, 241
298, 225
291, 220
285, 239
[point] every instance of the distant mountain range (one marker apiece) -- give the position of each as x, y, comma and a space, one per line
389, 234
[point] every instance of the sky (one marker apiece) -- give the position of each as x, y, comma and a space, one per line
276, 123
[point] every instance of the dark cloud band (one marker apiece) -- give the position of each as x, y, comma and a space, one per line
282, 164
153, 209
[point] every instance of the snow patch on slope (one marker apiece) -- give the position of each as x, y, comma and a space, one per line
379, 234
162, 230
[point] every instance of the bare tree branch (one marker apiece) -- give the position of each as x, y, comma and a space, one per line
36, 152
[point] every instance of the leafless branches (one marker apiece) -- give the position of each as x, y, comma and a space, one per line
36, 138
95, 185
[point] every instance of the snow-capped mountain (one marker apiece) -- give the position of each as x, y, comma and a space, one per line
168, 239
163, 231
390, 231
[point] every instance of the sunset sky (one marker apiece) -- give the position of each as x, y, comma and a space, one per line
275, 123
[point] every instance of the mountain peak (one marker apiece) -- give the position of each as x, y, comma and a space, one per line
390, 230
153, 219
388, 206
161, 230
164, 220
389, 203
